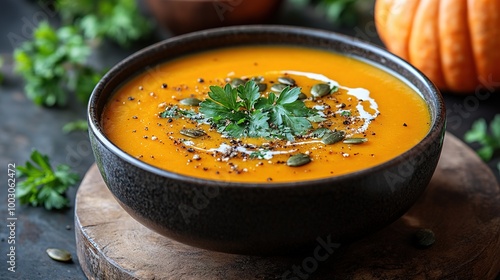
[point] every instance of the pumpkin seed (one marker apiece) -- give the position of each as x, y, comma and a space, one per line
286, 81
333, 137
355, 140
298, 160
302, 96
320, 132
236, 82
278, 88
258, 79
262, 87
193, 133
320, 90
59, 254
191, 101
424, 237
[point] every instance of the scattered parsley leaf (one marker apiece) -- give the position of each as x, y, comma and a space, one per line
345, 113
339, 12
489, 142
43, 185
175, 112
75, 126
53, 63
258, 154
117, 20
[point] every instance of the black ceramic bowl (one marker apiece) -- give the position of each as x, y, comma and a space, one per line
260, 218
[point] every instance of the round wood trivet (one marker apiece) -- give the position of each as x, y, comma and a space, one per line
461, 206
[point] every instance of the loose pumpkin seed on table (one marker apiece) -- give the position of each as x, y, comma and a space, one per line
424, 237
60, 255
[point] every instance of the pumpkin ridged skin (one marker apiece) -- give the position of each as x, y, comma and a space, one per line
457, 59
423, 50
455, 43
484, 20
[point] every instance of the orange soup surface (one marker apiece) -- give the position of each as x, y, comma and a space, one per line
358, 115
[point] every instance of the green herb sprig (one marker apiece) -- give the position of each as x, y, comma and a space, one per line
243, 112
78, 125
44, 185
53, 63
489, 142
117, 20
339, 12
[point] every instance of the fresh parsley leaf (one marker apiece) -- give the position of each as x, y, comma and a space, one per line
316, 118
489, 142
249, 94
117, 20
345, 113
53, 63
222, 108
44, 185
75, 126
288, 112
261, 154
243, 112
170, 112
259, 125
83, 80
226, 97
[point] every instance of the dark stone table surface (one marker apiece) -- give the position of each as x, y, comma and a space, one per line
24, 126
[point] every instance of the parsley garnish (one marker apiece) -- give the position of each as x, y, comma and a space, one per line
345, 113
489, 142
258, 154
43, 185
243, 112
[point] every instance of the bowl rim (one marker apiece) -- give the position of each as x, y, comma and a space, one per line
436, 130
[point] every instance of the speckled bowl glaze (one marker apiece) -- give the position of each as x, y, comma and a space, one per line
265, 219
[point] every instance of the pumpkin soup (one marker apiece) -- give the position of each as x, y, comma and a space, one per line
265, 114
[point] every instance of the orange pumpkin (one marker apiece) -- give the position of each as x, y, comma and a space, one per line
456, 43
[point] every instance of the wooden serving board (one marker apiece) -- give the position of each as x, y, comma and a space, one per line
461, 206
